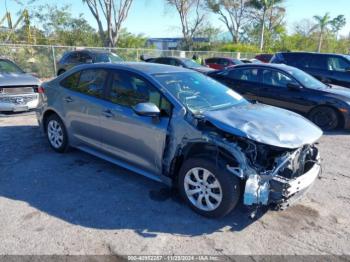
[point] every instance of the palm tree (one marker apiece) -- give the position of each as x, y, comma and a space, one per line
322, 23
264, 6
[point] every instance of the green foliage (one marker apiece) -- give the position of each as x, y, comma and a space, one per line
245, 48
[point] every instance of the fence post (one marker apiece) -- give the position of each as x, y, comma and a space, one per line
54, 60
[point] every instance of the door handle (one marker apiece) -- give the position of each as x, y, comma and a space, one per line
107, 113
68, 99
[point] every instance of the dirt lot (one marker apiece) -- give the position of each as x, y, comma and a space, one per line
78, 204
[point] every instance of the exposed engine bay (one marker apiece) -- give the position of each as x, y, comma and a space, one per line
273, 176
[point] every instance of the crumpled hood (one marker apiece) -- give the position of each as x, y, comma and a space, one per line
18, 79
266, 124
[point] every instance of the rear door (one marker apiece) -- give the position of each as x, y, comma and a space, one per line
275, 91
83, 93
244, 81
136, 140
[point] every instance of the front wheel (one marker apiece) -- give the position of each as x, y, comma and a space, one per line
207, 189
325, 117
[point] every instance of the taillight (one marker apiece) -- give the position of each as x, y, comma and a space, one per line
40, 90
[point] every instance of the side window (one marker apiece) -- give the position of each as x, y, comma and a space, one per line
164, 61
317, 62
73, 58
250, 75
224, 62
71, 82
128, 89
83, 57
276, 79
173, 62
337, 64
210, 61
92, 82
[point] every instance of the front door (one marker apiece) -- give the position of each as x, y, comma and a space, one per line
136, 140
275, 91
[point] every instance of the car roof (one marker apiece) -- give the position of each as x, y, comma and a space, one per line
174, 57
273, 66
140, 67
312, 53
221, 57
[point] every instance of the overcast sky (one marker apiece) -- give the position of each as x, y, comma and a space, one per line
153, 19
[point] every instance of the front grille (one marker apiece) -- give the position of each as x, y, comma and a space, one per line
17, 90
18, 100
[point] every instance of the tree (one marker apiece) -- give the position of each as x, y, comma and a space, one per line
337, 24
322, 24
233, 13
113, 13
58, 25
264, 7
191, 17
304, 27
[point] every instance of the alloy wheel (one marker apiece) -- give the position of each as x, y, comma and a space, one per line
55, 134
203, 189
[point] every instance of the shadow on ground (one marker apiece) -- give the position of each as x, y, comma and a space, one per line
83, 190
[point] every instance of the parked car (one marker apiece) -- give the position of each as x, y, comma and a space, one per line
74, 58
185, 129
18, 90
181, 62
250, 61
265, 58
220, 63
293, 89
328, 68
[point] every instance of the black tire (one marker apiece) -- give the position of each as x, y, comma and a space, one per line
60, 72
230, 186
63, 145
325, 117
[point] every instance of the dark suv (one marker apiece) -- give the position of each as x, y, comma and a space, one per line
74, 58
329, 68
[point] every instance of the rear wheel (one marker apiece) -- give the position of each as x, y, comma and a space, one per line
60, 72
56, 134
208, 190
325, 117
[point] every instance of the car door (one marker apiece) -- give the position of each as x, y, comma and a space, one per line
83, 93
244, 81
276, 90
138, 141
339, 68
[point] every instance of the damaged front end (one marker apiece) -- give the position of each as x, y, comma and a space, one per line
273, 176
292, 174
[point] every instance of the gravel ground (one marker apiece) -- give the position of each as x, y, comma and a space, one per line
77, 204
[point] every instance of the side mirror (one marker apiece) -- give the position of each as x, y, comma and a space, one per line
295, 87
147, 109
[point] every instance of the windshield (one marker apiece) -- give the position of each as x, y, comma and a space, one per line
107, 58
306, 79
190, 63
198, 92
7, 67
347, 57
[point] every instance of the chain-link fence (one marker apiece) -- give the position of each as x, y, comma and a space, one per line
42, 59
